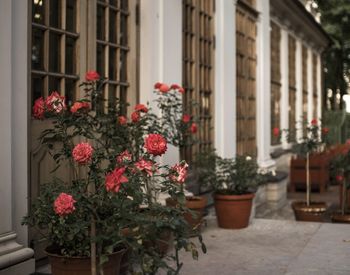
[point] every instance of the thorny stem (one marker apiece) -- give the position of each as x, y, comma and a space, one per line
308, 179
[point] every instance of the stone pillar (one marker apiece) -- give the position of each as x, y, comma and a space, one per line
160, 52
225, 78
15, 258
299, 92
284, 87
310, 102
263, 96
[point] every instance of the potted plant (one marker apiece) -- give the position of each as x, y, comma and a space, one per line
311, 144
110, 205
234, 188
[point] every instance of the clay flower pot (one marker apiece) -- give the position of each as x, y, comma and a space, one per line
233, 211
315, 212
339, 218
62, 265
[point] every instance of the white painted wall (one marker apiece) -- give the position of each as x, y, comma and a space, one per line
225, 78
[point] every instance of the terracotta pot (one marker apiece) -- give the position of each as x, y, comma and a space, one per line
61, 265
339, 218
313, 213
195, 203
233, 211
341, 196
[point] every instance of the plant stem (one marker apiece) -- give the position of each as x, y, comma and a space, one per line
308, 179
91, 190
343, 205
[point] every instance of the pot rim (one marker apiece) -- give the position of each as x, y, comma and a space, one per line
301, 206
233, 197
121, 251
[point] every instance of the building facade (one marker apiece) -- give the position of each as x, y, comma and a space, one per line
251, 64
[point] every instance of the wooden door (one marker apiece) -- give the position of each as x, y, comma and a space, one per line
68, 38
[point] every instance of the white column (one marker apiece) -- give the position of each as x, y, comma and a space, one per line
299, 92
284, 86
319, 86
263, 96
225, 78
310, 91
160, 51
14, 257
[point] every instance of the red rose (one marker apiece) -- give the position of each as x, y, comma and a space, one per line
141, 108
276, 132
194, 128
92, 76
82, 153
114, 179
157, 85
64, 204
181, 90
186, 118
122, 120
325, 130
175, 86
314, 122
55, 102
179, 172
155, 144
145, 165
135, 116
339, 178
79, 105
124, 156
164, 88
39, 108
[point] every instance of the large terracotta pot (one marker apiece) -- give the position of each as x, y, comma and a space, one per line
61, 265
233, 211
315, 212
339, 218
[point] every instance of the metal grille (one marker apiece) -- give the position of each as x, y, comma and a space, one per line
275, 80
314, 85
198, 55
246, 79
292, 87
112, 47
305, 91
54, 48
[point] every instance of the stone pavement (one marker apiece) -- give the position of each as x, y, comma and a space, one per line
273, 247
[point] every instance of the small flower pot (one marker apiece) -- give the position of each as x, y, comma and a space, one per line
339, 218
62, 265
233, 211
315, 212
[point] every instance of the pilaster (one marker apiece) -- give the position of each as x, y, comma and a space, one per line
299, 92
284, 87
319, 86
310, 87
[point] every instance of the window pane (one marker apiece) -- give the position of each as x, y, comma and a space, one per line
54, 52
100, 34
37, 87
55, 13
112, 64
37, 49
124, 5
38, 11
123, 29
123, 66
100, 60
70, 91
112, 26
71, 15
112, 94
70, 56
54, 84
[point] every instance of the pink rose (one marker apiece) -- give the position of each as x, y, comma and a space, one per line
82, 153
175, 86
124, 156
186, 118
314, 122
179, 172
92, 76
155, 144
39, 108
339, 178
164, 88
55, 102
194, 128
135, 116
80, 105
181, 90
114, 179
122, 120
145, 165
141, 108
157, 85
64, 204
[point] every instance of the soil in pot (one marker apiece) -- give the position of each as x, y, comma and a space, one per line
315, 212
61, 265
233, 211
339, 218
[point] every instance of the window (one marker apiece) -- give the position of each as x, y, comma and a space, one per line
198, 72
292, 87
246, 78
305, 91
275, 80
